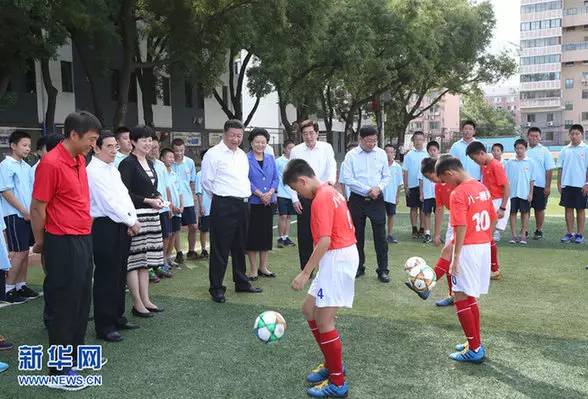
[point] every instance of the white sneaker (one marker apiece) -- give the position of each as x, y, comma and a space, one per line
77, 384
496, 236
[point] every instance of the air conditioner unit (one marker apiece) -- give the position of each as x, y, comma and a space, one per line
528, 124
549, 123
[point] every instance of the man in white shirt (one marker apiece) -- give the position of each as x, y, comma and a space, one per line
458, 150
321, 158
225, 176
115, 221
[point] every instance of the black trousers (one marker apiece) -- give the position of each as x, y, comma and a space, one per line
229, 221
67, 289
375, 210
305, 244
111, 250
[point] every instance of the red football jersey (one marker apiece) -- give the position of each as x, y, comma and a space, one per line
329, 217
494, 178
471, 206
442, 193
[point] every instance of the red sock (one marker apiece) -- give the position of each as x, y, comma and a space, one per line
468, 323
333, 351
493, 257
314, 330
449, 284
441, 267
476, 313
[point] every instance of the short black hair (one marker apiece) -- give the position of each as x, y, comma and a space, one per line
233, 124
53, 140
103, 137
17, 136
177, 142
368, 130
475, 147
577, 127
202, 153
468, 122
417, 133
165, 151
520, 142
447, 163
295, 169
499, 146
534, 129
258, 131
390, 145
287, 142
433, 143
428, 166
81, 122
141, 132
41, 143
120, 130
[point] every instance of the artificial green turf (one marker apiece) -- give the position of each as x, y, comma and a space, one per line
395, 345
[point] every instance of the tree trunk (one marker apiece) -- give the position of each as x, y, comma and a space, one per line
51, 97
146, 79
128, 32
85, 57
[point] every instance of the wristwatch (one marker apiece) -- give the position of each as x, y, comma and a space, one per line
502, 208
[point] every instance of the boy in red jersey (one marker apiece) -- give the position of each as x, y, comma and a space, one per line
335, 255
494, 178
472, 217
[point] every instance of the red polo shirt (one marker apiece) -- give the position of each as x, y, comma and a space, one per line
61, 181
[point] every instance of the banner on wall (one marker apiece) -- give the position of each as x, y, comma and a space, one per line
191, 139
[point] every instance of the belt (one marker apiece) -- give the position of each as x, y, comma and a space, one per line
366, 199
240, 199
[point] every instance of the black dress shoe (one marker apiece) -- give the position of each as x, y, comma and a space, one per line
127, 326
218, 298
360, 272
384, 277
154, 310
250, 289
135, 312
113, 336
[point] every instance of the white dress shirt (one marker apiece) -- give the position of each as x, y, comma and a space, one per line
321, 159
226, 172
109, 197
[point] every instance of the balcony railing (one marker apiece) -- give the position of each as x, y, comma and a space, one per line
543, 85
541, 103
577, 16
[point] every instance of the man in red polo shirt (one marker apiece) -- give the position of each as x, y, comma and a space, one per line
60, 213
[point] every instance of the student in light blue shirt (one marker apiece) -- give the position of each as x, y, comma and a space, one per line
411, 170
285, 206
392, 191
458, 150
17, 178
186, 171
520, 172
427, 192
572, 183
545, 165
204, 201
176, 203
122, 136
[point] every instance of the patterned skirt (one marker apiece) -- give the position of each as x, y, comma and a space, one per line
147, 246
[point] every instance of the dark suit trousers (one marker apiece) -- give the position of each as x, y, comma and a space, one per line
304, 235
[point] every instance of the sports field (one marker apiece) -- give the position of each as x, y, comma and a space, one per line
395, 345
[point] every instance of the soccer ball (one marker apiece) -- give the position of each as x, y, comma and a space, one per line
269, 326
422, 278
415, 261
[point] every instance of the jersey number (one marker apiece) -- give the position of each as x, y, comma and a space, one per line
482, 220
320, 293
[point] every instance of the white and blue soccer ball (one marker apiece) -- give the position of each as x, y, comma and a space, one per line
422, 278
414, 262
269, 326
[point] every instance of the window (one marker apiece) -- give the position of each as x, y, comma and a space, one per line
433, 125
569, 83
165, 90
539, 77
568, 124
584, 75
585, 116
548, 136
188, 93
541, 59
545, 24
548, 41
236, 67
549, 117
551, 5
569, 106
530, 117
66, 77
585, 94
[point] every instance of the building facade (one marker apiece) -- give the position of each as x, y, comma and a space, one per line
440, 122
506, 98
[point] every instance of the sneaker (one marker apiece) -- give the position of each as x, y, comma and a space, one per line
192, 255
317, 375
415, 232
445, 302
328, 390
27, 292
538, 235
180, 258
422, 294
462, 347
153, 277
204, 254
391, 240
567, 238
523, 240
163, 271
289, 243
76, 383
579, 239
427, 239
5, 346
12, 296
496, 236
172, 263
495, 276
514, 240
3, 367
470, 356
280, 243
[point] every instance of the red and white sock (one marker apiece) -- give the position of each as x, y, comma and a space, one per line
314, 330
494, 257
449, 284
441, 267
467, 320
476, 313
330, 343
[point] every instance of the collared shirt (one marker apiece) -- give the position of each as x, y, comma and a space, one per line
363, 170
262, 177
109, 197
520, 173
226, 172
62, 183
162, 182
544, 161
412, 165
118, 158
391, 190
206, 200
17, 176
428, 187
283, 192
186, 172
573, 161
346, 189
173, 184
458, 150
321, 159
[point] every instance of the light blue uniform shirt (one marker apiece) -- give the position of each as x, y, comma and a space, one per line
519, 175
206, 200
363, 170
281, 163
162, 182
391, 190
544, 162
186, 172
458, 150
346, 189
412, 164
16, 176
118, 158
173, 184
428, 187
573, 161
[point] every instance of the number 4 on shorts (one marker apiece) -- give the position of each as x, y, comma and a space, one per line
320, 294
